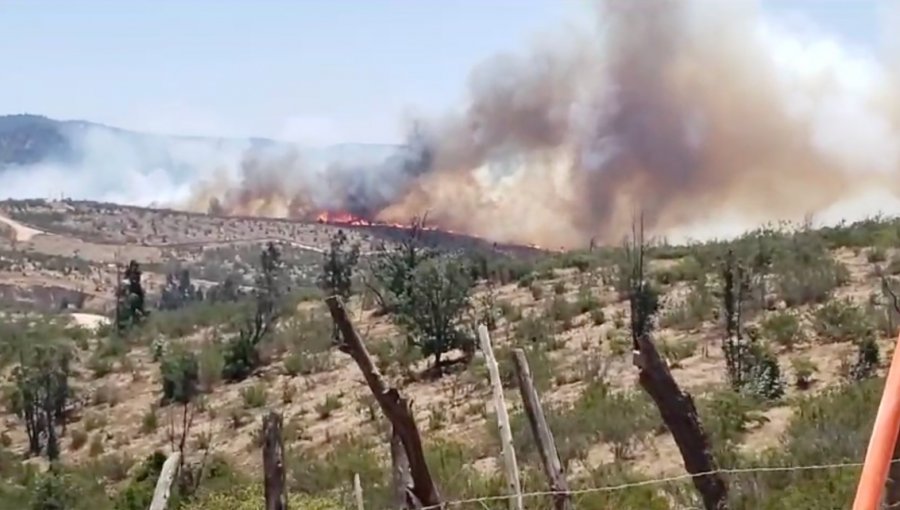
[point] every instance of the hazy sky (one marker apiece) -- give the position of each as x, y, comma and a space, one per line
317, 71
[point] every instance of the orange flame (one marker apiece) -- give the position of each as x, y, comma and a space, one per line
341, 218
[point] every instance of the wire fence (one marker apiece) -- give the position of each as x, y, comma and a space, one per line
652, 482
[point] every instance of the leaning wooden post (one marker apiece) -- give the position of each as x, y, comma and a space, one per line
542, 434
396, 408
164, 483
273, 463
511, 469
357, 491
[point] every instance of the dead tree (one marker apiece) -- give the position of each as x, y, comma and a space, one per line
542, 434
395, 407
273, 462
164, 483
676, 407
400, 479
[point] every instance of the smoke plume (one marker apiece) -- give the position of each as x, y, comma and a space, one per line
708, 117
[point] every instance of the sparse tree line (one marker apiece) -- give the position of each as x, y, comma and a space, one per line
428, 294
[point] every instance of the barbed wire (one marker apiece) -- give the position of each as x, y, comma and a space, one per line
655, 481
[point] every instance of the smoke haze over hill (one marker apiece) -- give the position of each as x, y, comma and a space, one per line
706, 115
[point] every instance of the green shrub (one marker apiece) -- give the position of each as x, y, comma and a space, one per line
254, 396
537, 291
306, 363
598, 317
251, 497
804, 369
676, 352
559, 288
876, 254
149, 421
686, 269
841, 320
808, 275
211, 363
331, 404
783, 328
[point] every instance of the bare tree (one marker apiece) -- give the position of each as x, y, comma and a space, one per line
676, 406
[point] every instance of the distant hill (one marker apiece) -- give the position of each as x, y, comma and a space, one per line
28, 139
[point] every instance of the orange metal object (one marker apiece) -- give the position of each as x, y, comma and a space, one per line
882, 442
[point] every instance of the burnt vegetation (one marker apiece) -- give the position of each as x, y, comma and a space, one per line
778, 334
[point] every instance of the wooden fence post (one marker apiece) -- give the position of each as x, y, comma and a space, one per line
273, 462
510, 467
358, 492
395, 407
542, 433
164, 483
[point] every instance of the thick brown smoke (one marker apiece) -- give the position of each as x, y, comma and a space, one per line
692, 112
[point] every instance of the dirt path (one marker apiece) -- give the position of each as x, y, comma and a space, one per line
23, 233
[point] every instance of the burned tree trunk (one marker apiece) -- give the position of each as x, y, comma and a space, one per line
676, 407
680, 416
394, 406
400, 479
273, 463
542, 434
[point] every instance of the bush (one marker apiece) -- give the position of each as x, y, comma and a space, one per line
804, 369
675, 352
598, 317
559, 288
537, 291
306, 363
149, 421
808, 275
211, 363
180, 376
783, 328
96, 447
251, 497
876, 254
562, 311
727, 415
842, 321
254, 396
686, 269
331, 404
79, 439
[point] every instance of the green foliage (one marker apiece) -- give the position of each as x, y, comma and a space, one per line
806, 272
130, 307
254, 396
393, 269
842, 320
804, 369
433, 307
241, 353
251, 497
727, 415
687, 269
867, 359
41, 392
180, 373
331, 404
783, 328
79, 439
337, 266
178, 291
696, 308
